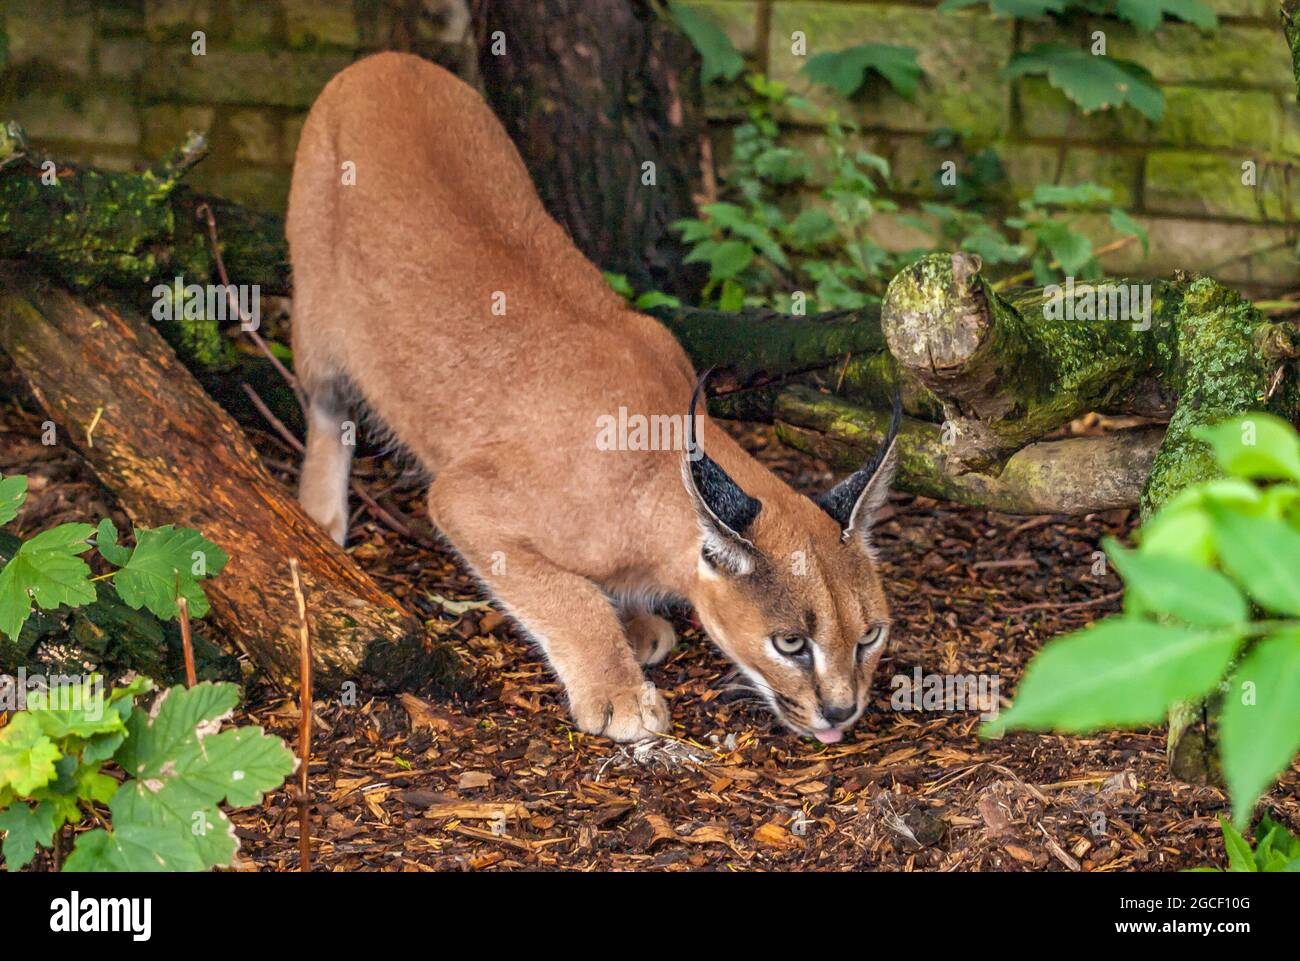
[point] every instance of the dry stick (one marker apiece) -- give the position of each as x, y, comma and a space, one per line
380, 514
304, 722
203, 211
1067, 606
187, 643
1110, 248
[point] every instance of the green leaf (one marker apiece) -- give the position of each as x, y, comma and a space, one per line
1258, 446
1017, 9
1259, 728
1181, 589
845, 71
147, 848
1069, 248
655, 298
1092, 82
45, 568
26, 826
811, 227
729, 258
27, 756
13, 491
718, 56
178, 749
1147, 14
1239, 854
163, 557
74, 710
1125, 224
182, 766
1118, 672
1262, 555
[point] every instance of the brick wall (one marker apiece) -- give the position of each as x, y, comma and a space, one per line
114, 83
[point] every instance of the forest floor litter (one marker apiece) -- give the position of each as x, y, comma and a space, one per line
501, 779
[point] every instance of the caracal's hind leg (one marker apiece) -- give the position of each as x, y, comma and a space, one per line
331, 439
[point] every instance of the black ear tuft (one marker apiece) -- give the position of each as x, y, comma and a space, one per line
724, 509
853, 500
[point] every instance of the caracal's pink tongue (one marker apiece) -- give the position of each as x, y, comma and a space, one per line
832, 735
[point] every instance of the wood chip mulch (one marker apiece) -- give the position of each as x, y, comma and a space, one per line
501, 779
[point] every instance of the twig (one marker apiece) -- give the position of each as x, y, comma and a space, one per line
1100, 252
204, 212
380, 514
1069, 606
304, 722
187, 642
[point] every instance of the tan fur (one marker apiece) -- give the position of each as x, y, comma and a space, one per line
395, 278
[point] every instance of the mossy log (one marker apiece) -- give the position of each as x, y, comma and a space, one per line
172, 456
1009, 369
1077, 475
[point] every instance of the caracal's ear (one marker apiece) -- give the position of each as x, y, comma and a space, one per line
724, 510
854, 501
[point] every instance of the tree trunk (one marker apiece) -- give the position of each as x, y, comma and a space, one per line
172, 456
591, 92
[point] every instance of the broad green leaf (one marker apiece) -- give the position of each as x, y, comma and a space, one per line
1116, 673
45, 569
1256, 446
206, 831
1125, 224
845, 71
27, 756
1262, 555
127, 847
1179, 530
162, 558
1240, 858
729, 258
1147, 14
1069, 248
26, 826
719, 58
1181, 589
80, 710
1259, 728
811, 227
1092, 82
1017, 9
178, 749
13, 491
655, 298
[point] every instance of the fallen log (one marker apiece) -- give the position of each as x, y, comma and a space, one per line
1009, 369
171, 456
1075, 475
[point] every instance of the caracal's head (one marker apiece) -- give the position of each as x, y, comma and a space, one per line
789, 589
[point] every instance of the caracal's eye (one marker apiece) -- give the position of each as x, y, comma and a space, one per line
791, 645
871, 640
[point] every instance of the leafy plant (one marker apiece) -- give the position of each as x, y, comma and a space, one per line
847, 70
162, 772
48, 570
1090, 78
1211, 605
1276, 849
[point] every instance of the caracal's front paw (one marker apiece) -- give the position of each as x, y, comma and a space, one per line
651, 638
631, 714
